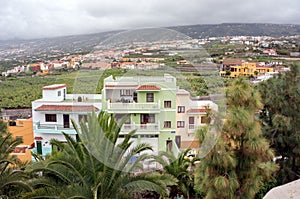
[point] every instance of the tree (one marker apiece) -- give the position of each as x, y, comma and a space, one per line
180, 168
281, 121
241, 160
97, 167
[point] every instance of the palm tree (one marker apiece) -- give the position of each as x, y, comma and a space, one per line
181, 168
97, 167
11, 178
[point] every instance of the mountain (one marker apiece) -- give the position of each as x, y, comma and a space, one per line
50, 48
238, 29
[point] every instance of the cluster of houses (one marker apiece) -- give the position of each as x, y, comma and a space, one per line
42, 68
232, 68
162, 114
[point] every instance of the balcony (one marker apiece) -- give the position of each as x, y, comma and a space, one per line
193, 127
133, 107
150, 127
52, 128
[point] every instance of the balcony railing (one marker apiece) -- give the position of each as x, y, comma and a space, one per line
131, 107
150, 127
194, 126
53, 128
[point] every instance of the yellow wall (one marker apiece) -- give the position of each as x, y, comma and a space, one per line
23, 128
247, 69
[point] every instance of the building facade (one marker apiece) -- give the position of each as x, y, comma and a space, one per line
190, 115
162, 114
148, 103
53, 113
21, 129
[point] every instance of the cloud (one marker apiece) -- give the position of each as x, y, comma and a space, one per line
40, 18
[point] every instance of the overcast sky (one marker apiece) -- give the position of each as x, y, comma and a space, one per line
48, 18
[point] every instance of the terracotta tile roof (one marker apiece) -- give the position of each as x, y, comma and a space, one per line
148, 88
69, 108
54, 86
190, 144
196, 110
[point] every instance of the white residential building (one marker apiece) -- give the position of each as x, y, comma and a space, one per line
53, 113
190, 115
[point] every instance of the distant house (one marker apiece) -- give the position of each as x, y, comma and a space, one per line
295, 54
227, 62
270, 52
57, 64
246, 69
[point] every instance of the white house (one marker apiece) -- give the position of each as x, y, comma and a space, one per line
52, 114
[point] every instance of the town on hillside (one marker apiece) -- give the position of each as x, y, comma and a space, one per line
198, 104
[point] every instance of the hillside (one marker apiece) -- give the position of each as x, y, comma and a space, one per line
17, 52
238, 29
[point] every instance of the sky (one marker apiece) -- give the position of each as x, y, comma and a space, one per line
27, 19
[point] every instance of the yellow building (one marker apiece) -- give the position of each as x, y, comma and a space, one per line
262, 70
246, 69
22, 129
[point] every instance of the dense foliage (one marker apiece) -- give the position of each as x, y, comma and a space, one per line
97, 167
241, 160
281, 121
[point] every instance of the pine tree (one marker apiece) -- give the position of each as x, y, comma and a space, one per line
281, 121
241, 160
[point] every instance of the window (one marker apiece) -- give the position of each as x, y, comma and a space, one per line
191, 123
180, 124
167, 124
59, 93
82, 117
149, 136
50, 117
181, 109
147, 118
19, 138
191, 120
119, 118
149, 97
125, 93
167, 104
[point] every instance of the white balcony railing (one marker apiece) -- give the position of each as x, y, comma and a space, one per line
150, 127
133, 106
53, 126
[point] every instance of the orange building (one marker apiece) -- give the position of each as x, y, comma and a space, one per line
22, 129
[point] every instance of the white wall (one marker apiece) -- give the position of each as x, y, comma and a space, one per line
52, 95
